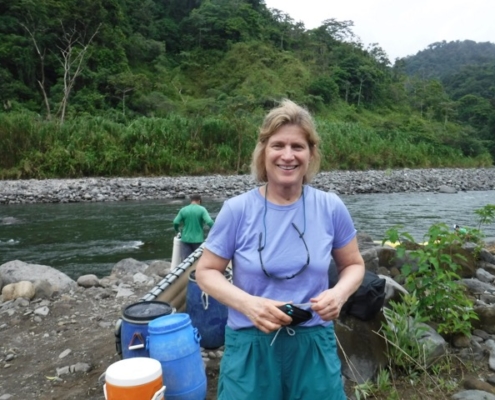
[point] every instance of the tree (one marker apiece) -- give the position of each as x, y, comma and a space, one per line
326, 88
75, 45
61, 34
427, 96
35, 19
338, 30
125, 83
475, 111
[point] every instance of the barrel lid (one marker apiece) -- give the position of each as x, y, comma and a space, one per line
133, 371
169, 323
147, 310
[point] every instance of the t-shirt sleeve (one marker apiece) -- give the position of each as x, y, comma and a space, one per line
222, 236
344, 226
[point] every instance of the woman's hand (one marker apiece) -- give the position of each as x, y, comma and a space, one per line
265, 315
328, 304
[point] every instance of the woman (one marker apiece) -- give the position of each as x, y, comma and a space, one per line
281, 238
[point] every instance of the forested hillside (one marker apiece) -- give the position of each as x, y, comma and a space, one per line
466, 70
126, 87
441, 59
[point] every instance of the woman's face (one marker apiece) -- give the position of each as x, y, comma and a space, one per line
287, 156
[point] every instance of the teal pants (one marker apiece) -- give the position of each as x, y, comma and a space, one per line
301, 363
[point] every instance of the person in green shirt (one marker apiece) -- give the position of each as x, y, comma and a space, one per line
192, 218
460, 230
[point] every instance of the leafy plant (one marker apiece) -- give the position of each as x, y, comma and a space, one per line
431, 274
381, 388
364, 390
485, 214
403, 328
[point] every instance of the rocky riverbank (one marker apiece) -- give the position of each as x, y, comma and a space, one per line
59, 336
219, 186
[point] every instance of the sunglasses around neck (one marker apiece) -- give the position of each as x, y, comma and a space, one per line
301, 236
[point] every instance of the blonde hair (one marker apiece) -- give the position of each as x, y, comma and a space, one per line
287, 113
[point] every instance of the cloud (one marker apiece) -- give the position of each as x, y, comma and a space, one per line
400, 27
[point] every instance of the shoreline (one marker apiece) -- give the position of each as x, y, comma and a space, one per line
448, 180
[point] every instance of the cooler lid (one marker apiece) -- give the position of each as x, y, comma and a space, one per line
133, 371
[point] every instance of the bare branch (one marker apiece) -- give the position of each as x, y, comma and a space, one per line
41, 55
72, 62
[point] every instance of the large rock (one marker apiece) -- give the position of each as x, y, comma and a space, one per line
486, 256
393, 290
23, 289
464, 257
43, 289
473, 395
158, 267
16, 271
128, 266
362, 351
87, 281
486, 315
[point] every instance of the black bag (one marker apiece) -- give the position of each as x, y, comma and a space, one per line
367, 300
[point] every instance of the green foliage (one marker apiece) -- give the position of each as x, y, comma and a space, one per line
95, 146
466, 71
432, 275
403, 329
412, 372
326, 88
221, 64
486, 215
354, 147
410, 362
441, 59
383, 388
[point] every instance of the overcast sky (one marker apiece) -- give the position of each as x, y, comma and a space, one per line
400, 27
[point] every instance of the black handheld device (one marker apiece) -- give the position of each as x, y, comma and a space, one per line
298, 314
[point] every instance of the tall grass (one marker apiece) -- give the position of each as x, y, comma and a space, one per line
178, 145
350, 146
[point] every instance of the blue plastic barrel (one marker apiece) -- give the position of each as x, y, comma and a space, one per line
207, 314
174, 342
134, 326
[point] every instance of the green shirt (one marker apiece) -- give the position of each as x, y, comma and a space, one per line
192, 217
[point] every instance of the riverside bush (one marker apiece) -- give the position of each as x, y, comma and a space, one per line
435, 298
198, 145
434, 279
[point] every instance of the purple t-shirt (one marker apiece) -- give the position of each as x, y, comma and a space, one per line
322, 217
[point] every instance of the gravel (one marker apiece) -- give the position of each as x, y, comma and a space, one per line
220, 186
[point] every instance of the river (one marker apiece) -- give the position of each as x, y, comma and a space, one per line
84, 238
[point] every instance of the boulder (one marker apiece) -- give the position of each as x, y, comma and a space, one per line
23, 289
87, 281
16, 271
158, 267
43, 289
486, 315
362, 351
128, 266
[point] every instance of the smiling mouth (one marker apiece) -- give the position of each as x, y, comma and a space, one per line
288, 167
